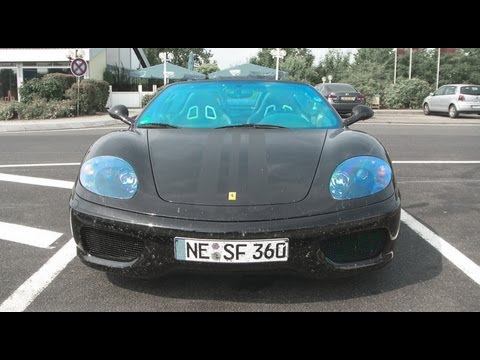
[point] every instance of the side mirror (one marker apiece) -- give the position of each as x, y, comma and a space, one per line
359, 112
120, 112
432, 94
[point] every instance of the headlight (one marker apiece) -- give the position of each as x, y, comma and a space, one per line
360, 176
109, 176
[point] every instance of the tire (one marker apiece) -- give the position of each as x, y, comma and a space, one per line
452, 112
426, 109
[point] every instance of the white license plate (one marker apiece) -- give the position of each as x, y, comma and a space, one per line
475, 106
348, 98
227, 251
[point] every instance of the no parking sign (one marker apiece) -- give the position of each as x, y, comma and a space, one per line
78, 67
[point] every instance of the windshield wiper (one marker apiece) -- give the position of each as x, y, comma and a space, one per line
253, 126
158, 126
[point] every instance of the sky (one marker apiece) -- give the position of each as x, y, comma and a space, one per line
227, 57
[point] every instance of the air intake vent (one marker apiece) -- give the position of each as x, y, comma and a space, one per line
355, 247
111, 246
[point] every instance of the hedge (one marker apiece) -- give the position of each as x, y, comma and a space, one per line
8, 110
93, 96
50, 87
41, 109
406, 94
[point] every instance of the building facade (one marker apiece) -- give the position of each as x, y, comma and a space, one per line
22, 64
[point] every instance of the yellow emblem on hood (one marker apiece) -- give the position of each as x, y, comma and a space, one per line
232, 196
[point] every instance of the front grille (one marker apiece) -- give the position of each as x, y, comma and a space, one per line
355, 247
111, 246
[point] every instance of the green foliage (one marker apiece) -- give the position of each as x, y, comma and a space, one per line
335, 63
66, 81
42, 109
407, 94
147, 98
49, 87
298, 62
298, 69
93, 96
8, 110
369, 78
119, 78
102, 93
207, 68
180, 55
264, 58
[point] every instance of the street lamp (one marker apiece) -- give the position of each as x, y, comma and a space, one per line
71, 55
324, 79
279, 54
164, 56
330, 78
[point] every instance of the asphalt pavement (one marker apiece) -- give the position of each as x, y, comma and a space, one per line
104, 120
437, 166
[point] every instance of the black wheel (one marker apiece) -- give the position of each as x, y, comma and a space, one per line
426, 109
452, 111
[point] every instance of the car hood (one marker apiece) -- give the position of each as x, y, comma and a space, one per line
234, 167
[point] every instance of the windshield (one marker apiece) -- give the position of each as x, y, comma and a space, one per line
341, 88
470, 90
220, 104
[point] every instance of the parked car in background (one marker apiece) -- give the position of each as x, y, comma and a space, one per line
343, 97
453, 99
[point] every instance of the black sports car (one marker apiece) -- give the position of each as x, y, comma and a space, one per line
240, 175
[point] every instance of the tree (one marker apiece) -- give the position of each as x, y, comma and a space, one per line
298, 62
335, 63
180, 55
207, 68
264, 58
298, 69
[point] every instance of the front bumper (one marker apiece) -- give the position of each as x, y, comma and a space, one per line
151, 238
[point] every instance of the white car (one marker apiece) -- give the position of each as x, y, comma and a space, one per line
453, 99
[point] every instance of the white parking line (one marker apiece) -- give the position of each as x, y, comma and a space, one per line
28, 235
37, 181
38, 165
454, 181
30, 289
471, 269
436, 162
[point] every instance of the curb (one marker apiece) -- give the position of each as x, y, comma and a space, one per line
86, 122
12, 126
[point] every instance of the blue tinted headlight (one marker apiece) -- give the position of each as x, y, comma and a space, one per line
109, 176
360, 176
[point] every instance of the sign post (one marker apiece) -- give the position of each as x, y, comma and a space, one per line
78, 68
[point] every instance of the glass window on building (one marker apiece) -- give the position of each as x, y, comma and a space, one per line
8, 84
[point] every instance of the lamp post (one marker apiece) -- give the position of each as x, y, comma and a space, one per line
410, 67
164, 56
330, 78
279, 54
395, 67
438, 66
324, 79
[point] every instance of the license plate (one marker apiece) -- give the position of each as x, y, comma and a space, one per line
348, 98
475, 106
227, 251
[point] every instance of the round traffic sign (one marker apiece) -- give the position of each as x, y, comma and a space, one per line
78, 67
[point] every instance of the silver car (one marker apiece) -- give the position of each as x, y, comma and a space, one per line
453, 99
